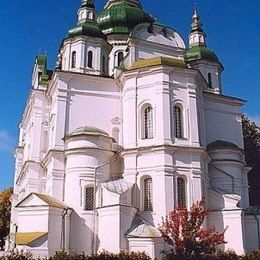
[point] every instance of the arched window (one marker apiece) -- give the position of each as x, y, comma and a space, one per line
104, 64
210, 79
90, 59
181, 192
120, 57
178, 122
73, 59
148, 194
89, 198
148, 123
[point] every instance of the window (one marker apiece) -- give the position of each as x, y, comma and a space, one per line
178, 124
210, 80
148, 123
89, 198
90, 59
73, 59
181, 192
120, 57
104, 64
148, 194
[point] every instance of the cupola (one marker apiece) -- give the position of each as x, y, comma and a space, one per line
87, 24
85, 49
122, 16
199, 56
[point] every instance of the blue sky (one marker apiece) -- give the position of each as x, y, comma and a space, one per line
232, 27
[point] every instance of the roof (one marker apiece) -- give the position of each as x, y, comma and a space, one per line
122, 16
88, 3
142, 229
47, 199
87, 28
158, 61
28, 237
119, 186
88, 130
220, 144
51, 201
200, 52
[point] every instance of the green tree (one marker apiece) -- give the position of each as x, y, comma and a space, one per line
251, 141
251, 134
5, 213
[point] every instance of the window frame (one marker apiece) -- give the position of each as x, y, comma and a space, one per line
85, 198
73, 59
90, 59
147, 200
210, 80
184, 203
147, 122
178, 123
120, 58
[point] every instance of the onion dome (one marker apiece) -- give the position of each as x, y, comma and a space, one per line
198, 49
200, 52
87, 24
122, 16
88, 3
88, 28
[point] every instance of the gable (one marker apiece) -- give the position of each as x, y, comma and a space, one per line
40, 200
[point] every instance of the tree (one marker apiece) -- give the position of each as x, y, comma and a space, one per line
251, 135
252, 156
183, 230
5, 214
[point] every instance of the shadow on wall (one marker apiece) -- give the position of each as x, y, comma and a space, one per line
81, 234
215, 219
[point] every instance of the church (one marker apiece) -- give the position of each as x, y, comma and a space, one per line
131, 123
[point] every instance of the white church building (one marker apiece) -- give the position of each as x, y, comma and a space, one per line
129, 124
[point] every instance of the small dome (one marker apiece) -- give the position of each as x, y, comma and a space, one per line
219, 144
88, 3
88, 130
122, 17
200, 52
88, 28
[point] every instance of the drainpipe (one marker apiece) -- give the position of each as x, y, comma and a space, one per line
63, 231
15, 232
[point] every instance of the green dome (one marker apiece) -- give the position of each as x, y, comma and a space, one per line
200, 52
122, 17
88, 3
88, 28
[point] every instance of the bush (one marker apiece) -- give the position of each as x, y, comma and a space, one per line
17, 255
101, 256
220, 255
228, 255
254, 255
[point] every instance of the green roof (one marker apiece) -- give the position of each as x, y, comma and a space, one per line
122, 17
200, 52
88, 3
88, 28
165, 61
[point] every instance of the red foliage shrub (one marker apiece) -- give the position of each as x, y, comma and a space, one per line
184, 231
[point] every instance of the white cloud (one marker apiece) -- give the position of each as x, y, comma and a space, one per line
7, 142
